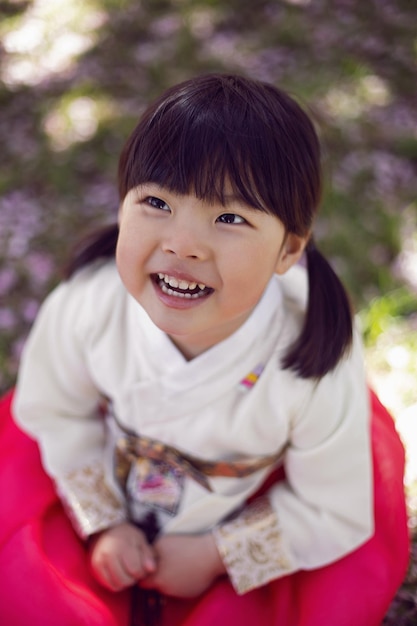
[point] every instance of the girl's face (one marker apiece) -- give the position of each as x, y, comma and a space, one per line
199, 268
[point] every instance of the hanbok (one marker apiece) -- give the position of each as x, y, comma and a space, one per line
45, 578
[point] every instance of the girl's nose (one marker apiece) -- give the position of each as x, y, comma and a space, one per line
186, 244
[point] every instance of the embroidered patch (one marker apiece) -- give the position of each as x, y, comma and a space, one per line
251, 379
155, 484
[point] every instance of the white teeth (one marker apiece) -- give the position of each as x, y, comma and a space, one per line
180, 284
178, 294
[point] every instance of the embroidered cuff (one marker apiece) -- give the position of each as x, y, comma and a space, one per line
88, 500
252, 547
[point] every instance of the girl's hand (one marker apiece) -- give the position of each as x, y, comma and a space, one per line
187, 565
120, 556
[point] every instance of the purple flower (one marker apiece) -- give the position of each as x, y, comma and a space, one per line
7, 319
29, 310
8, 278
40, 266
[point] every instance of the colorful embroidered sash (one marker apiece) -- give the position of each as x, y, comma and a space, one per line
130, 448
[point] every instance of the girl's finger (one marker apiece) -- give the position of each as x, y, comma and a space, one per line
139, 563
116, 577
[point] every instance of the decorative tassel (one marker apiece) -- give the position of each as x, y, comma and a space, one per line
147, 607
147, 604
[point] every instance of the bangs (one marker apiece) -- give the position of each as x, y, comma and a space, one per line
217, 136
205, 161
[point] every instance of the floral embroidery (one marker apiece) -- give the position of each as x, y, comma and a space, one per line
252, 547
155, 484
90, 503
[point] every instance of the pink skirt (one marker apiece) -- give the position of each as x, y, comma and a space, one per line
45, 579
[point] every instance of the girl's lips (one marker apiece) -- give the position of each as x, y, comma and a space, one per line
179, 293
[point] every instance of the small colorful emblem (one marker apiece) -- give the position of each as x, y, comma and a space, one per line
155, 484
251, 379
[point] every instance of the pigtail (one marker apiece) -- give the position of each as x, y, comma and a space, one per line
99, 244
327, 331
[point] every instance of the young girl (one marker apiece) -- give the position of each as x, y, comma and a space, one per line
199, 400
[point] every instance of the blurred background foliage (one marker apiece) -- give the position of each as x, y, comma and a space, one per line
75, 76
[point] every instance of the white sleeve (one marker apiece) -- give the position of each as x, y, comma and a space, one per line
324, 508
56, 402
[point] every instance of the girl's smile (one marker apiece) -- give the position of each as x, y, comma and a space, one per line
199, 268
180, 288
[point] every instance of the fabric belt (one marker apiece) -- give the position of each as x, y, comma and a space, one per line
130, 447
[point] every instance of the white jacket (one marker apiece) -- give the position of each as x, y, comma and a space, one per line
92, 340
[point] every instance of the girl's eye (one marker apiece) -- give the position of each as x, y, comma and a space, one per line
231, 218
157, 203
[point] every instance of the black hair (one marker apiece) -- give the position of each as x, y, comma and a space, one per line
217, 130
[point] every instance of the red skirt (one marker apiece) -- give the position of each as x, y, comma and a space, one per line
45, 580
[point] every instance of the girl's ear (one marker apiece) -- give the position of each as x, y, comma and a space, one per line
291, 252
